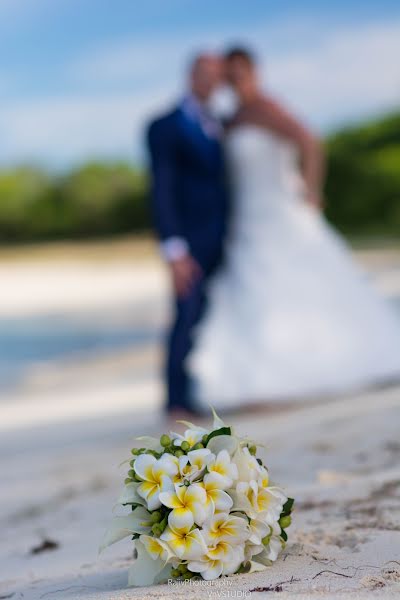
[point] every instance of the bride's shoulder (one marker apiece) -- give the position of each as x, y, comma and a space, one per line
267, 108
273, 115
260, 113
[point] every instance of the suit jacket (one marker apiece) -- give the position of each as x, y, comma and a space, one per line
189, 195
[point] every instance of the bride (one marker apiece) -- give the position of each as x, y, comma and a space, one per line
289, 313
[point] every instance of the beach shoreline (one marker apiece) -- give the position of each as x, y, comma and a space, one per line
71, 421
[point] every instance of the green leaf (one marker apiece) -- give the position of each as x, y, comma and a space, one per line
284, 535
287, 507
221, 431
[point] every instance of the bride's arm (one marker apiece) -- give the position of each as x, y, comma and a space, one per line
312, 157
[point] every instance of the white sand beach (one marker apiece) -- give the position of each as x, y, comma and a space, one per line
69, 422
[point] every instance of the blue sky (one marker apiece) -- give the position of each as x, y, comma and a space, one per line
79, 78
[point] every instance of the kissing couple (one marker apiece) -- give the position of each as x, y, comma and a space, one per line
269, 305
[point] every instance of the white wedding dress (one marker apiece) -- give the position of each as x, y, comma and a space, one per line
290, 315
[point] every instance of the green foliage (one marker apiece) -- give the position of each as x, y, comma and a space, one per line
95, 199
363, 179
362, 192
216, 432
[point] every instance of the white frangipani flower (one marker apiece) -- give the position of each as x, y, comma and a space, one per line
258, 530
217, 499
222, 470
185, 542
221, 559
156, 548
187, 503
248, 467
156, 476
224, 527
258, 503
194, 463
191, 436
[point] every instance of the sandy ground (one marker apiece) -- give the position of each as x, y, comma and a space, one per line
68, 426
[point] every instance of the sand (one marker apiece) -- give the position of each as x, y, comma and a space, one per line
69, 425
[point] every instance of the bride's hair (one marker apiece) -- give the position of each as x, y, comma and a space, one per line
240, 52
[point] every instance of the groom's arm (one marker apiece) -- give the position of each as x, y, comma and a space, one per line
164, 174
164, 171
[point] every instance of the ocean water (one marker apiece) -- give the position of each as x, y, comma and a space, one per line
25, 342
30, 341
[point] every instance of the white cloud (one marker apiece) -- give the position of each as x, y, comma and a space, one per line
352, 73
71, 129
345, 74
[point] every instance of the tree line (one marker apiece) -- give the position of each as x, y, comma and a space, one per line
96, 199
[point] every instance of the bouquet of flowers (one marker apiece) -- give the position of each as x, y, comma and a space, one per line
201, 505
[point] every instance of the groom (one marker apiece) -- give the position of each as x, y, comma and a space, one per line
190, 212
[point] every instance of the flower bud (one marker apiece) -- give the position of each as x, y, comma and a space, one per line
128, 480
185, 446
165, 440
198, 446
179, 453
135, 451
156, 529
285, 521
175, 573
181, 569
253, 450
131, 474
155, 516
188, 575
266, 539
163, 524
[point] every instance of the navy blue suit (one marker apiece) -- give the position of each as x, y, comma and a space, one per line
190, 202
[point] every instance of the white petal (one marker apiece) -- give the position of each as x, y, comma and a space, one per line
163, 550
221, 482
199, 513
153, 501
240, 502
144, 570
223, 442
170, 499
193, 426
142, 464
258, 531
256, 566
274, 548
168, 465
233, 561
217, 421
149, 442
181, 518
197, 566
130, 495
198, 547
213, 572
199, 457
167, 484
121, 527
196, 493
222, 500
